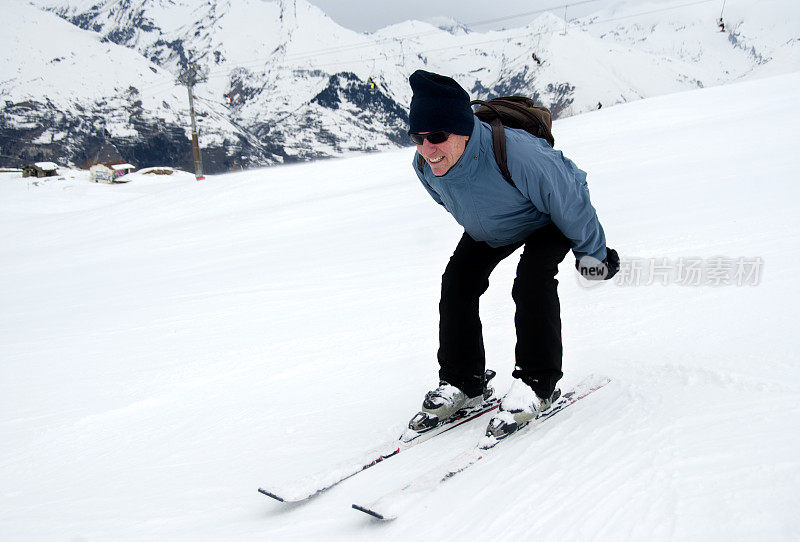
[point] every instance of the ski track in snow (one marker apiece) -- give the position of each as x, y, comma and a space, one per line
169, 346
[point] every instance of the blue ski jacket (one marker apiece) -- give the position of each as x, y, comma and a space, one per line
549, 189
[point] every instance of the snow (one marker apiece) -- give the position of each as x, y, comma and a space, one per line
168, 345
275, 58
44, 53
519, 397
56, 71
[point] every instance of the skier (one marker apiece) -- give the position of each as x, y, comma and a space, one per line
546, 213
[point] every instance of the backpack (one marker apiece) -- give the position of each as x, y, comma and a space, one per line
513, 112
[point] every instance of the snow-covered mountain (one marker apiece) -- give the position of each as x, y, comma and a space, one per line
66, 93
285, 82
169, 346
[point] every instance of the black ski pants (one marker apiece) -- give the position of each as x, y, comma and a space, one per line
461, 355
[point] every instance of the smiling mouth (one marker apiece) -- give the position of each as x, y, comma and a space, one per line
435, 160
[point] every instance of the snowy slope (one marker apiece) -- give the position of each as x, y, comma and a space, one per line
299, 82
169, 346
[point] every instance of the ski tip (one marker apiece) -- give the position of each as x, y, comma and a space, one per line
270, 494
371, 512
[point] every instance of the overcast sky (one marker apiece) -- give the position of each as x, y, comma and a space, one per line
370, 15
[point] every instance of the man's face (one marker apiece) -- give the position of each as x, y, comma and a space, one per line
442, 156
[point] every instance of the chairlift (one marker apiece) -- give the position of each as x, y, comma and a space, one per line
720, 22
370, 80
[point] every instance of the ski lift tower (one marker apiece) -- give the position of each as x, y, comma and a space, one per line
190, 77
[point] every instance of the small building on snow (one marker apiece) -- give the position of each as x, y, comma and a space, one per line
40, 169
110, 172
99, 173
120, 170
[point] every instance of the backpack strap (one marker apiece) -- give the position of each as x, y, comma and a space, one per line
498, 141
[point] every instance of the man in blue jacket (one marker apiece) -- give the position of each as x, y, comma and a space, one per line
546, 212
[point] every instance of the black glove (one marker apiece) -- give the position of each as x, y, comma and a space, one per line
593, 269
612, 262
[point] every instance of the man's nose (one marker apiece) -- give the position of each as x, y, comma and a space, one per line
427, 147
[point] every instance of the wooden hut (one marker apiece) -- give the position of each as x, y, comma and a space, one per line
40, 169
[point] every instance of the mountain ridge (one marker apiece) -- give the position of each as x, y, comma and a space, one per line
286, 83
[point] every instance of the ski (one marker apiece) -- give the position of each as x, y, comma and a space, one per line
391, 505
311, 486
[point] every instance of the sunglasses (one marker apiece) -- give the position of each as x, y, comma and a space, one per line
433, 137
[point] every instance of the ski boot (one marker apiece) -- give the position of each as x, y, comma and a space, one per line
518, 407
446, 402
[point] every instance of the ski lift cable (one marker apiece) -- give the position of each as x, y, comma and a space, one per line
249, 135
226, 73
499, 19
505, 38
670, 8
380, 41
255, 139
301, 56
523, 36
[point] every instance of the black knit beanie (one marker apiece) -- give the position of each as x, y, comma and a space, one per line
438, 103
